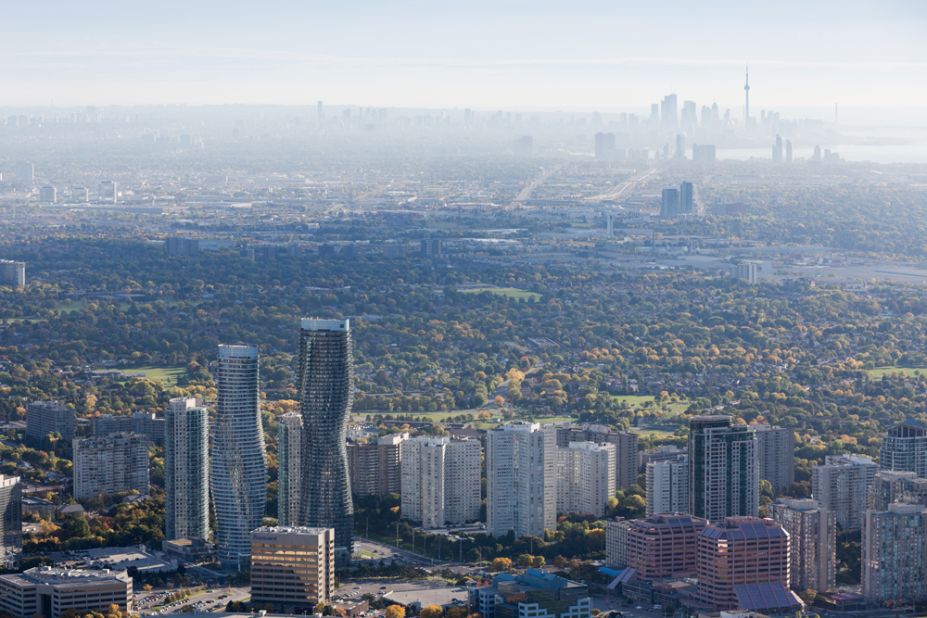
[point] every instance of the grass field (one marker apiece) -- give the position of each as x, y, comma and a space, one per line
513, 293
638, 401
655, 434
167, 376
907, 372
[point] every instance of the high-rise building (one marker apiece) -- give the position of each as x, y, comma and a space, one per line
747, 121
585, 478
723, 472
669, 204
144, 423
777, 150
239, 470
108, 191
186, 470
748, 271
289, 467
740, 558
292, 568
11, 520
374, 466
788, 151
813, 538
905, 448
663, 545
326, 391
109, 465
626, 451
775, 448
894, 554
669, 118
13, 274
667, 486
605, 146
686, 198
440, 481
50, 592
521, 475
889, 486
46, 418
842, 485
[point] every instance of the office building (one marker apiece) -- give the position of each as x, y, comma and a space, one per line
239, 470
704, 153
13, 274
108, 191
889, 486
440, 481
626, 452
186, 470
292, 568
47, 418
842, 485
109, 465
905, 448
669, 118
686, 198
894, 554
374, 466
11, 520
326, 390
739, 556
813, 538
49, 592
775, 454
723, 475
585, 478
521, 480
667, 486
143, 423
532, 594
289, 466
669, 204
48, 194
664, 545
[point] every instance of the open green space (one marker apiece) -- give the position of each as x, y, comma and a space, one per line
879, 372
513, 293
167, 376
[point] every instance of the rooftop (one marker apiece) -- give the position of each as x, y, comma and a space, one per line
745, 528
52, 575
321, 324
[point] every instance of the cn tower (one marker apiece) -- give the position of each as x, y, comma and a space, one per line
747, 99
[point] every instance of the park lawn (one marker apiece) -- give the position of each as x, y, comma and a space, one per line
167, 376
907, 372
654, 434
637, 401
513, 293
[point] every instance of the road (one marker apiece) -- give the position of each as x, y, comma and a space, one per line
625, 188
525, 194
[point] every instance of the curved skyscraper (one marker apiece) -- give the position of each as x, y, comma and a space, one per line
239, 471
326, 382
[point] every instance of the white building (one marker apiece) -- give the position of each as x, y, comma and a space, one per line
110, 464
667, 486
842, 485
813, 543
521, 473
186, 470
289, 445
440, 481
13, 274
585, 478
51, 592
11, 520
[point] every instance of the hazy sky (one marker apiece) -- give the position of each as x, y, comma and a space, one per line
580, 54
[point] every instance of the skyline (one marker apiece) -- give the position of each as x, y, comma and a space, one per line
591, 56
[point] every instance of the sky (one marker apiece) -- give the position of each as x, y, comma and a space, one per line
503, 54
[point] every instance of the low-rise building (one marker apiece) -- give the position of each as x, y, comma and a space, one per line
533, 594
50, 592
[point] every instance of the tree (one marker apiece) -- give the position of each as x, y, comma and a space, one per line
395, 611
501, 564
524, 560
431, 611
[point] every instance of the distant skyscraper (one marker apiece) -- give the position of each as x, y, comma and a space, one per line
668, 115
605, 146
108, 191
239, 472
723, 471
11, 520
775, 448
894, 567
186, 470
289, 465
669, 205
813, 539
521, 475
842, 486
326, 391
777, 150
747, 98
668, 486
905, 448
788, 151
686, 198
585, 478
13, 274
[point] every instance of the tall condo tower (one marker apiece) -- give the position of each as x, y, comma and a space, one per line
747, 98
326, 384
289, 446
186, 470
239, 471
